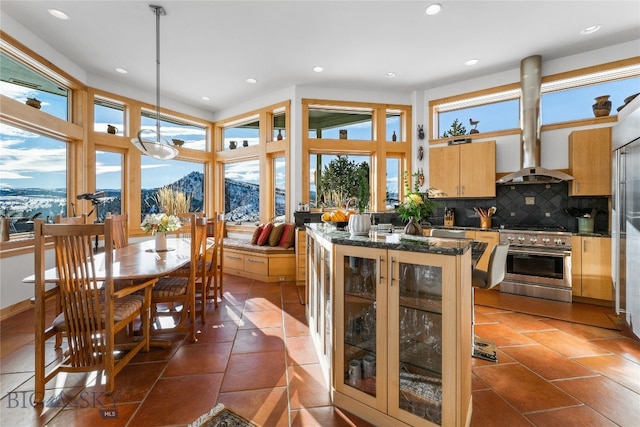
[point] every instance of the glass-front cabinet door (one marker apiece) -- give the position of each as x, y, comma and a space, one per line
360, 369
416, 365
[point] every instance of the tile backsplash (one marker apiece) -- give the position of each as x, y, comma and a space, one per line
535, 205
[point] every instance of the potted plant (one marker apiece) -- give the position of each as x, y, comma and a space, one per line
416, 206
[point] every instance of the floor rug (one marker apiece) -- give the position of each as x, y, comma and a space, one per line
485, 349
586, 314
220, 416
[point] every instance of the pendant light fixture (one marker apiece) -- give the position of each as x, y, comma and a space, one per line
150, 142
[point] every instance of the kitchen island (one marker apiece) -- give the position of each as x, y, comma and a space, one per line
390, 316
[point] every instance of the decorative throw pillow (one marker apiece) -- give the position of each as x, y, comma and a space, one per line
288, 235
264, 234
256, 234
276, 233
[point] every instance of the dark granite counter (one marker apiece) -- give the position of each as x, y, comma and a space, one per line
397, 241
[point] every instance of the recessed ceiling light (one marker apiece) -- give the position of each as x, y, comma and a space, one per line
59, 14
434, 9
590, 30
206, 98
473, 61
318, 69
390, 74
252, 81
121, 70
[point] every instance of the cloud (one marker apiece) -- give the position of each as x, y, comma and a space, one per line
12, 175
101, 168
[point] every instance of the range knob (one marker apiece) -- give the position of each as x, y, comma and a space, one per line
533, 240
558, 241
520, 239
545, 240
511, 238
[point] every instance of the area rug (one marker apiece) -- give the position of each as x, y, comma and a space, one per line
586, 314
220, 416
484, 349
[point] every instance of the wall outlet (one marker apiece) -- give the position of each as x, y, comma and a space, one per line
530, 200
281, 278
547, 214
513, 214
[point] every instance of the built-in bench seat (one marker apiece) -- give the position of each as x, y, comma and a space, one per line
265, 263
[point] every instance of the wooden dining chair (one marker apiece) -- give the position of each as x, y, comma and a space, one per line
217, 258
178, 289
120, 224
92, 311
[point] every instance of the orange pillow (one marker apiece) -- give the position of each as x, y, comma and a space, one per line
256, 234
288, 235
264, 234
276, 233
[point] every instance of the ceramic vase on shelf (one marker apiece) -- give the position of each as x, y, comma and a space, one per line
161, 242
602, 107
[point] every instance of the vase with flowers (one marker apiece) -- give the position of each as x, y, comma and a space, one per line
159, 225
416, 206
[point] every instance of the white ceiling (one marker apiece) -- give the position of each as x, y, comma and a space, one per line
209, 48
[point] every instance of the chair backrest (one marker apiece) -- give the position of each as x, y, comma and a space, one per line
450, 234
59, 219
497, 266
120, 231
87, 330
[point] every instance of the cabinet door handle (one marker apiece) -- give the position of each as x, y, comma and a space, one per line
233, 257
462, 191
379, 268
457, 190
390, 275
255, 260
584, 246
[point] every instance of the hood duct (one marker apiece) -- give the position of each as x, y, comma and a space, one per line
530, 170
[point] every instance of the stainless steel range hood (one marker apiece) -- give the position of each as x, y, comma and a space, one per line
530, 170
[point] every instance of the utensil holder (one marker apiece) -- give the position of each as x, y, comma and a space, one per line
585, 225
485, 222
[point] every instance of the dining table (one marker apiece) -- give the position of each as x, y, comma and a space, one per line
132, 263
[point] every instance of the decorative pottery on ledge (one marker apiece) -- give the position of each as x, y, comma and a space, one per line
602, 107
33, 102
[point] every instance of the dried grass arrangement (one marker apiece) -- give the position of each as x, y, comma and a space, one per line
173, 201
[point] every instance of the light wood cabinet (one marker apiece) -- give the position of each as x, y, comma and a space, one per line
301, 255
392, 310
591, 267
465, 170
590, 162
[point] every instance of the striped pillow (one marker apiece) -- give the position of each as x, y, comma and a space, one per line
264, 234
256, 234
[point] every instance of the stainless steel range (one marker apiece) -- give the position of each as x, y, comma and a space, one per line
538, 264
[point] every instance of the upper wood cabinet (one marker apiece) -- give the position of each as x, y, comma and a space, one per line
590, 162
466, 170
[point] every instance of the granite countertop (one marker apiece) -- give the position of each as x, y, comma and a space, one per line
394, 241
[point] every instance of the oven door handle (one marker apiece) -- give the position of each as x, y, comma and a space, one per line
557, 254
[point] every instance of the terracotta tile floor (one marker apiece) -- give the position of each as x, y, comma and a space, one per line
255, 355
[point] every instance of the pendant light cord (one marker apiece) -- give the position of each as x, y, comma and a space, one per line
158, 10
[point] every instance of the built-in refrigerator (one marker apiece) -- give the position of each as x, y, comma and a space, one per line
625, 230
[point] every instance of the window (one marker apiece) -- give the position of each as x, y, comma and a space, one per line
492, 117
392, 196
29, 186
280, 186
109, 181
279, 126
394, 126
194, 137
329, 123
242, 191
107, 112
576, 103
334, 179
234, 136
19, 82
178, 174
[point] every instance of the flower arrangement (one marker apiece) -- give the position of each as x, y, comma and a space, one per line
415, 205
160, 223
